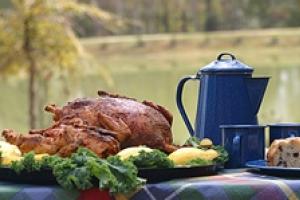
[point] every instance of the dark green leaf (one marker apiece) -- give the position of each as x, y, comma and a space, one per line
199, 162
223, 155
193, 141
152, 159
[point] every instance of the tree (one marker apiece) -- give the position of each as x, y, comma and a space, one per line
36, 34
213, 11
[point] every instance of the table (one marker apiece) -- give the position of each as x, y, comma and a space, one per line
12, 191
234, 185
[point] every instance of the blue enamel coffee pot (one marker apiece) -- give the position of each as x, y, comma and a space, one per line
228, 94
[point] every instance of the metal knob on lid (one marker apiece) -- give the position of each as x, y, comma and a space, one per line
219, 58
226, 63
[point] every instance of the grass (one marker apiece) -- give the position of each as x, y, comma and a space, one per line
267, 48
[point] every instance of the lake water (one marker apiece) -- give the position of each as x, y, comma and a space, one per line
280, 104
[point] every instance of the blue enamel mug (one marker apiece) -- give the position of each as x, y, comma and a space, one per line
243, 143
284, 130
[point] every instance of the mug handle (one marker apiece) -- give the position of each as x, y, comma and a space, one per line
236, 142
180, 104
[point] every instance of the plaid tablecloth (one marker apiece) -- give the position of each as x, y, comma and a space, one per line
12, 191
235, 186
232, 186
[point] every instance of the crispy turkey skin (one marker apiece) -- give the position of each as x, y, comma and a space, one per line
104, 124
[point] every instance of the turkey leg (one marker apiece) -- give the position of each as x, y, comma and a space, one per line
52, 108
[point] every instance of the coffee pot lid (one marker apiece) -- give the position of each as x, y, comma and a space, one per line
226, 65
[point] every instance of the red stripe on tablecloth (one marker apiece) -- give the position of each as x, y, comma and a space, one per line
94, 194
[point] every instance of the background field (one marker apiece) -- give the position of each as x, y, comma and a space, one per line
149, 67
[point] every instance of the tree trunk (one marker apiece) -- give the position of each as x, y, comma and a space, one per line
32, 92
43, 97
165, 16
184, 21
32, 73
211, 21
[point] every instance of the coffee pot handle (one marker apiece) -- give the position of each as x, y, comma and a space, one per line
180, 104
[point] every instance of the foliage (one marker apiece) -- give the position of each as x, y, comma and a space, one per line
125, 173
37, 39
223, 154
173, 16
29, 164
152, 159
83, 166
199, 162
70, 175
83, 169
193, 141
48, 162
53, 42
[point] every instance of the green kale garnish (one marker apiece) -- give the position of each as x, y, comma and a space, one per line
193, 141
199, 162
152, 159
48, 162
27, 163
70, 175
223, 155
83, 167
126, 174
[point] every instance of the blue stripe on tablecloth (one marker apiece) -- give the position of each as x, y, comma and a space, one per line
294, 185
228, 186
158, 191
34, 192
288, 188
269, 192
213, 193
40, 193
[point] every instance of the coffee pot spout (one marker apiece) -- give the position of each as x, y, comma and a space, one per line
256, 90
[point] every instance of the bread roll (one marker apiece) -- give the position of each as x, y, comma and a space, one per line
284, 153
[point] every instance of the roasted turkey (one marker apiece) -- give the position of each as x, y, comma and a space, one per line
64, 140
104, 125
